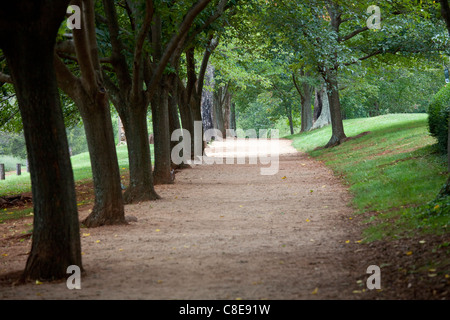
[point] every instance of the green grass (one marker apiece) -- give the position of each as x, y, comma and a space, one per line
81, 165
391, 172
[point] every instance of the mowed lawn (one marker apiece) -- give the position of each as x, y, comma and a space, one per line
392, 171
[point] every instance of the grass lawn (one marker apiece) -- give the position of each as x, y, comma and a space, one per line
81, 165
391, 171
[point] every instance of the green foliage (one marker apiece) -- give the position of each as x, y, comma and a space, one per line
397, 86
438, 117
13, 144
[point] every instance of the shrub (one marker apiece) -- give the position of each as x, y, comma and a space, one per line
438, 113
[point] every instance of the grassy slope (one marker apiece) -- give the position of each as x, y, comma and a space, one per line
390, 172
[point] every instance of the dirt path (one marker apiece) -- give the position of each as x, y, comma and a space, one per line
220, 232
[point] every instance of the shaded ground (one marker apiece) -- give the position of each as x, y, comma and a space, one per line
225, 231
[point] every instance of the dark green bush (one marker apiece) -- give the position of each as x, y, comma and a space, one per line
438, 113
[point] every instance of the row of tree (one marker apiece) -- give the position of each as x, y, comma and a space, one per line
136, 54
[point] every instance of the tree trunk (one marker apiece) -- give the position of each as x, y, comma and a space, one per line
305, 92
207, 99
318, 104
291, 124
88, 93
226, 112
307, 115
322, 103
233, 116
338, 136
187, 118
218, 113
109, 207
161, 134
141, 186
28, 48
174, 119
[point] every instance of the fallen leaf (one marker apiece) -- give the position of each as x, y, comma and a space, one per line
284, 177
316, 290
86, 234
98, 241
38, 282
347, 241
409, 253
307, 220
157, 230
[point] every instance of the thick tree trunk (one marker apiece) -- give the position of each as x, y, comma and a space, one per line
305, 91
218, 114
338, 136
321, 102
141, 186
207, 99
109, 207
307, 114
187, 118
160, 117
28, 48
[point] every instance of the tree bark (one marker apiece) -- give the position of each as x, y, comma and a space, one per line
331, 78
161, 122
90, 97
141, 186
322, 103
233, 116
218, 102
109, 206
337, 127
131, 102
317, 104
27, 37
305, 91
207, 99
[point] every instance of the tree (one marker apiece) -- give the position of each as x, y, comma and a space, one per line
27, 37
133, 85
89, 94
